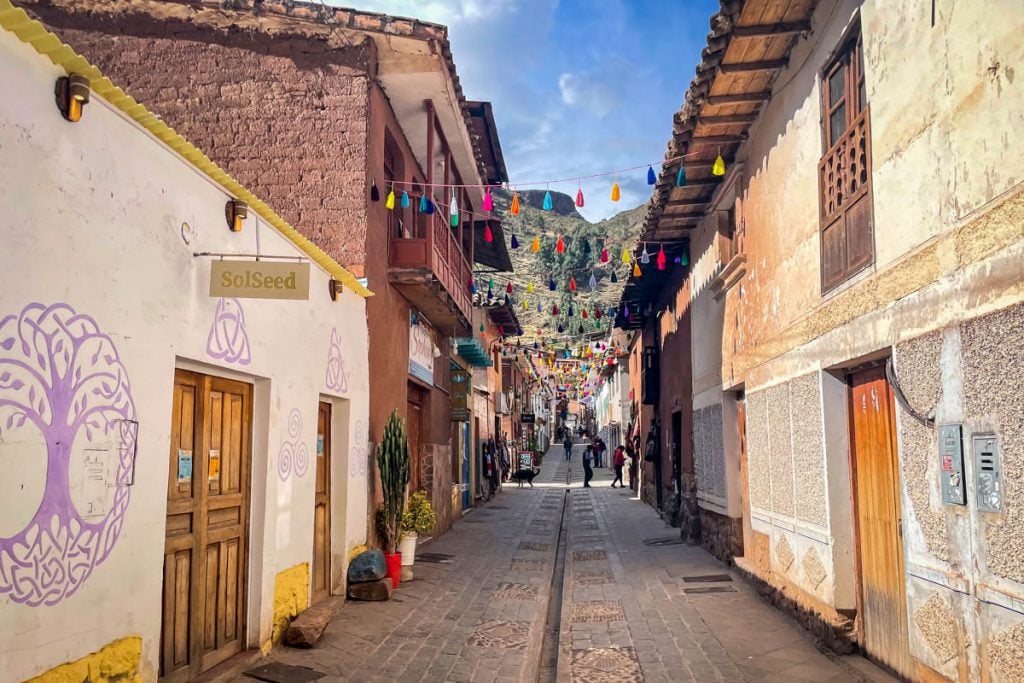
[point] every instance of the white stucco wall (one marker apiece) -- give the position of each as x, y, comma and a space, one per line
93, 217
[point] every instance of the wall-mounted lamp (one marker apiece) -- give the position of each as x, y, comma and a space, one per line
236, 211
335, 288
72, 93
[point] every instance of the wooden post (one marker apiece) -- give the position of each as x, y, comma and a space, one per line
429, 189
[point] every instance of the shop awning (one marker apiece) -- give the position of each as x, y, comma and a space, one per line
473, 352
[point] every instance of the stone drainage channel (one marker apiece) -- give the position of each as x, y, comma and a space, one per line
547, 672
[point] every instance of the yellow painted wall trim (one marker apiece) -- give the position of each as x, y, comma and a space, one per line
117, 662
291, 597
30, 31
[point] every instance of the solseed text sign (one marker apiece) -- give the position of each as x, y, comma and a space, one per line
259, 279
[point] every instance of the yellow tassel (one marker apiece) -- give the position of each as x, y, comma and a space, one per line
390, 202
535, 247
529, 288
515, 204
626, 258
615, 192
719, 166
636, 270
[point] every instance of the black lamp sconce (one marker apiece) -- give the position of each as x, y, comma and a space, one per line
236, 211
335, 288
71, 93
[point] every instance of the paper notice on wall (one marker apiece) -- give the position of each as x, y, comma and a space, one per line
184, 465
214, 464
94, 485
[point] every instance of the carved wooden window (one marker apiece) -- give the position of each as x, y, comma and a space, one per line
844, 172
730, 236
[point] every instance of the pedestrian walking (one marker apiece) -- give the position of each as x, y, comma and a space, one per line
568, 447
600, 451
588, 472
619, 462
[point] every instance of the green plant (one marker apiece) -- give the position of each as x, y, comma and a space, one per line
419, 515
393, 463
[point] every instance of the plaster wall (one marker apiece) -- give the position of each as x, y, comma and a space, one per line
96, 216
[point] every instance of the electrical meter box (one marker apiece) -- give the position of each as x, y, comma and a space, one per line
951, 457
988, 472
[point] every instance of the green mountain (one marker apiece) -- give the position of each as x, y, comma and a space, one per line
581, 259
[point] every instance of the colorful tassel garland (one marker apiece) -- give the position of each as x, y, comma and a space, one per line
684, 258
539, 309
488, 202
552, 285
430, 206
514, 209
570, 310
514, 243
614, 278
681, 176
405, 200
579, 197
560, 328
554, 309
593, 282
560, 245
535, 246
598, 313
615, 191
508, 300
508, 287
389, 203
423, 204
548, 203
719, 166
604, 255
454, 211
626, 258
661, 258
529, 288
636, 270
583, 314
374, 192
651, 178
488, 235
572, 284
645, 258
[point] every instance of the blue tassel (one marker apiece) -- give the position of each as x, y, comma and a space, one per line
515, 242
423, 204
430, 207
548, 203
614, 277
651, 179
405, 200
551, 285
681, 176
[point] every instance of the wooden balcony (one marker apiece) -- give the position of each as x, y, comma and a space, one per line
431, 271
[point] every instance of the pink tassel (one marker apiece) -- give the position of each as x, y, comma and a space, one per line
488, 203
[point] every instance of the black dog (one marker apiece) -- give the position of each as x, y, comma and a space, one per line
525, 475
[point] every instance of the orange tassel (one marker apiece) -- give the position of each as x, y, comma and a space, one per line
515, 204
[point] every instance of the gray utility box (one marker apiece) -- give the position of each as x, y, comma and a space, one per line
987, 472
951, 456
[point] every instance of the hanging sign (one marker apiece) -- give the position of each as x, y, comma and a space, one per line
259, 279
526, 460
421, 353
528, 418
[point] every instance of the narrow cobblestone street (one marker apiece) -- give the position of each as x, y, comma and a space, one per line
628, 602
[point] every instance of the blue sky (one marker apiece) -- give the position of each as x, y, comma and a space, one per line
578, 86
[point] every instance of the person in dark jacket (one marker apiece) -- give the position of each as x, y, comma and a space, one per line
568, 447
588, 472
619, 461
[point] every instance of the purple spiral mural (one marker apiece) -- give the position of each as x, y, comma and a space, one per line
228, 339
293, 456
335, 379
61, 379
357, 461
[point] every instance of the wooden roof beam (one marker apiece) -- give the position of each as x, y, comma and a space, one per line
693, 201
747, 67
712, 120
769, 30
718, 139
740, 98
698, 182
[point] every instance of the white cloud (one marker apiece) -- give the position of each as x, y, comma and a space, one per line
588, 92
446, 12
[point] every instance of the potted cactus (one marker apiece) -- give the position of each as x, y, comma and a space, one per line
418, 519
393, 463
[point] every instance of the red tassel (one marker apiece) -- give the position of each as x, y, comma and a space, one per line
585, 316
488, 235
604, 255
508, 288
572, 284
560, 246
661, 258
554, 310
579, 197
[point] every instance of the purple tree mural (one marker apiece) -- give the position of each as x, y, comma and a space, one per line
228, 339
61, 377
335, 379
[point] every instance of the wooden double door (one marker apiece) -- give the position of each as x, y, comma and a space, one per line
205, 547
882, 604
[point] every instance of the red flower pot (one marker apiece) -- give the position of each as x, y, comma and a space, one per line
394, 562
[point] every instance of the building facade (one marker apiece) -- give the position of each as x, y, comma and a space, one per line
326, 112
854, 296
187, 467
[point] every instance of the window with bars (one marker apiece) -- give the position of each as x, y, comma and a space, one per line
844, 172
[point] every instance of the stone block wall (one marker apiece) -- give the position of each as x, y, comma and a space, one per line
709, 450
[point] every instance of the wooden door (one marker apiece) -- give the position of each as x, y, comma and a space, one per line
414, 423
203, 616
882, 620
741, 425
322, 507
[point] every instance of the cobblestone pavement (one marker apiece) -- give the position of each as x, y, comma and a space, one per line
635, 605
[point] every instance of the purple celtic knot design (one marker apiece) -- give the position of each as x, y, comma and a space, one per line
293, 453
61, 378
228, 339
357, 462
335, 379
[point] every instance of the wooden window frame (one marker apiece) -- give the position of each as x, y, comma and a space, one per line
844, 171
